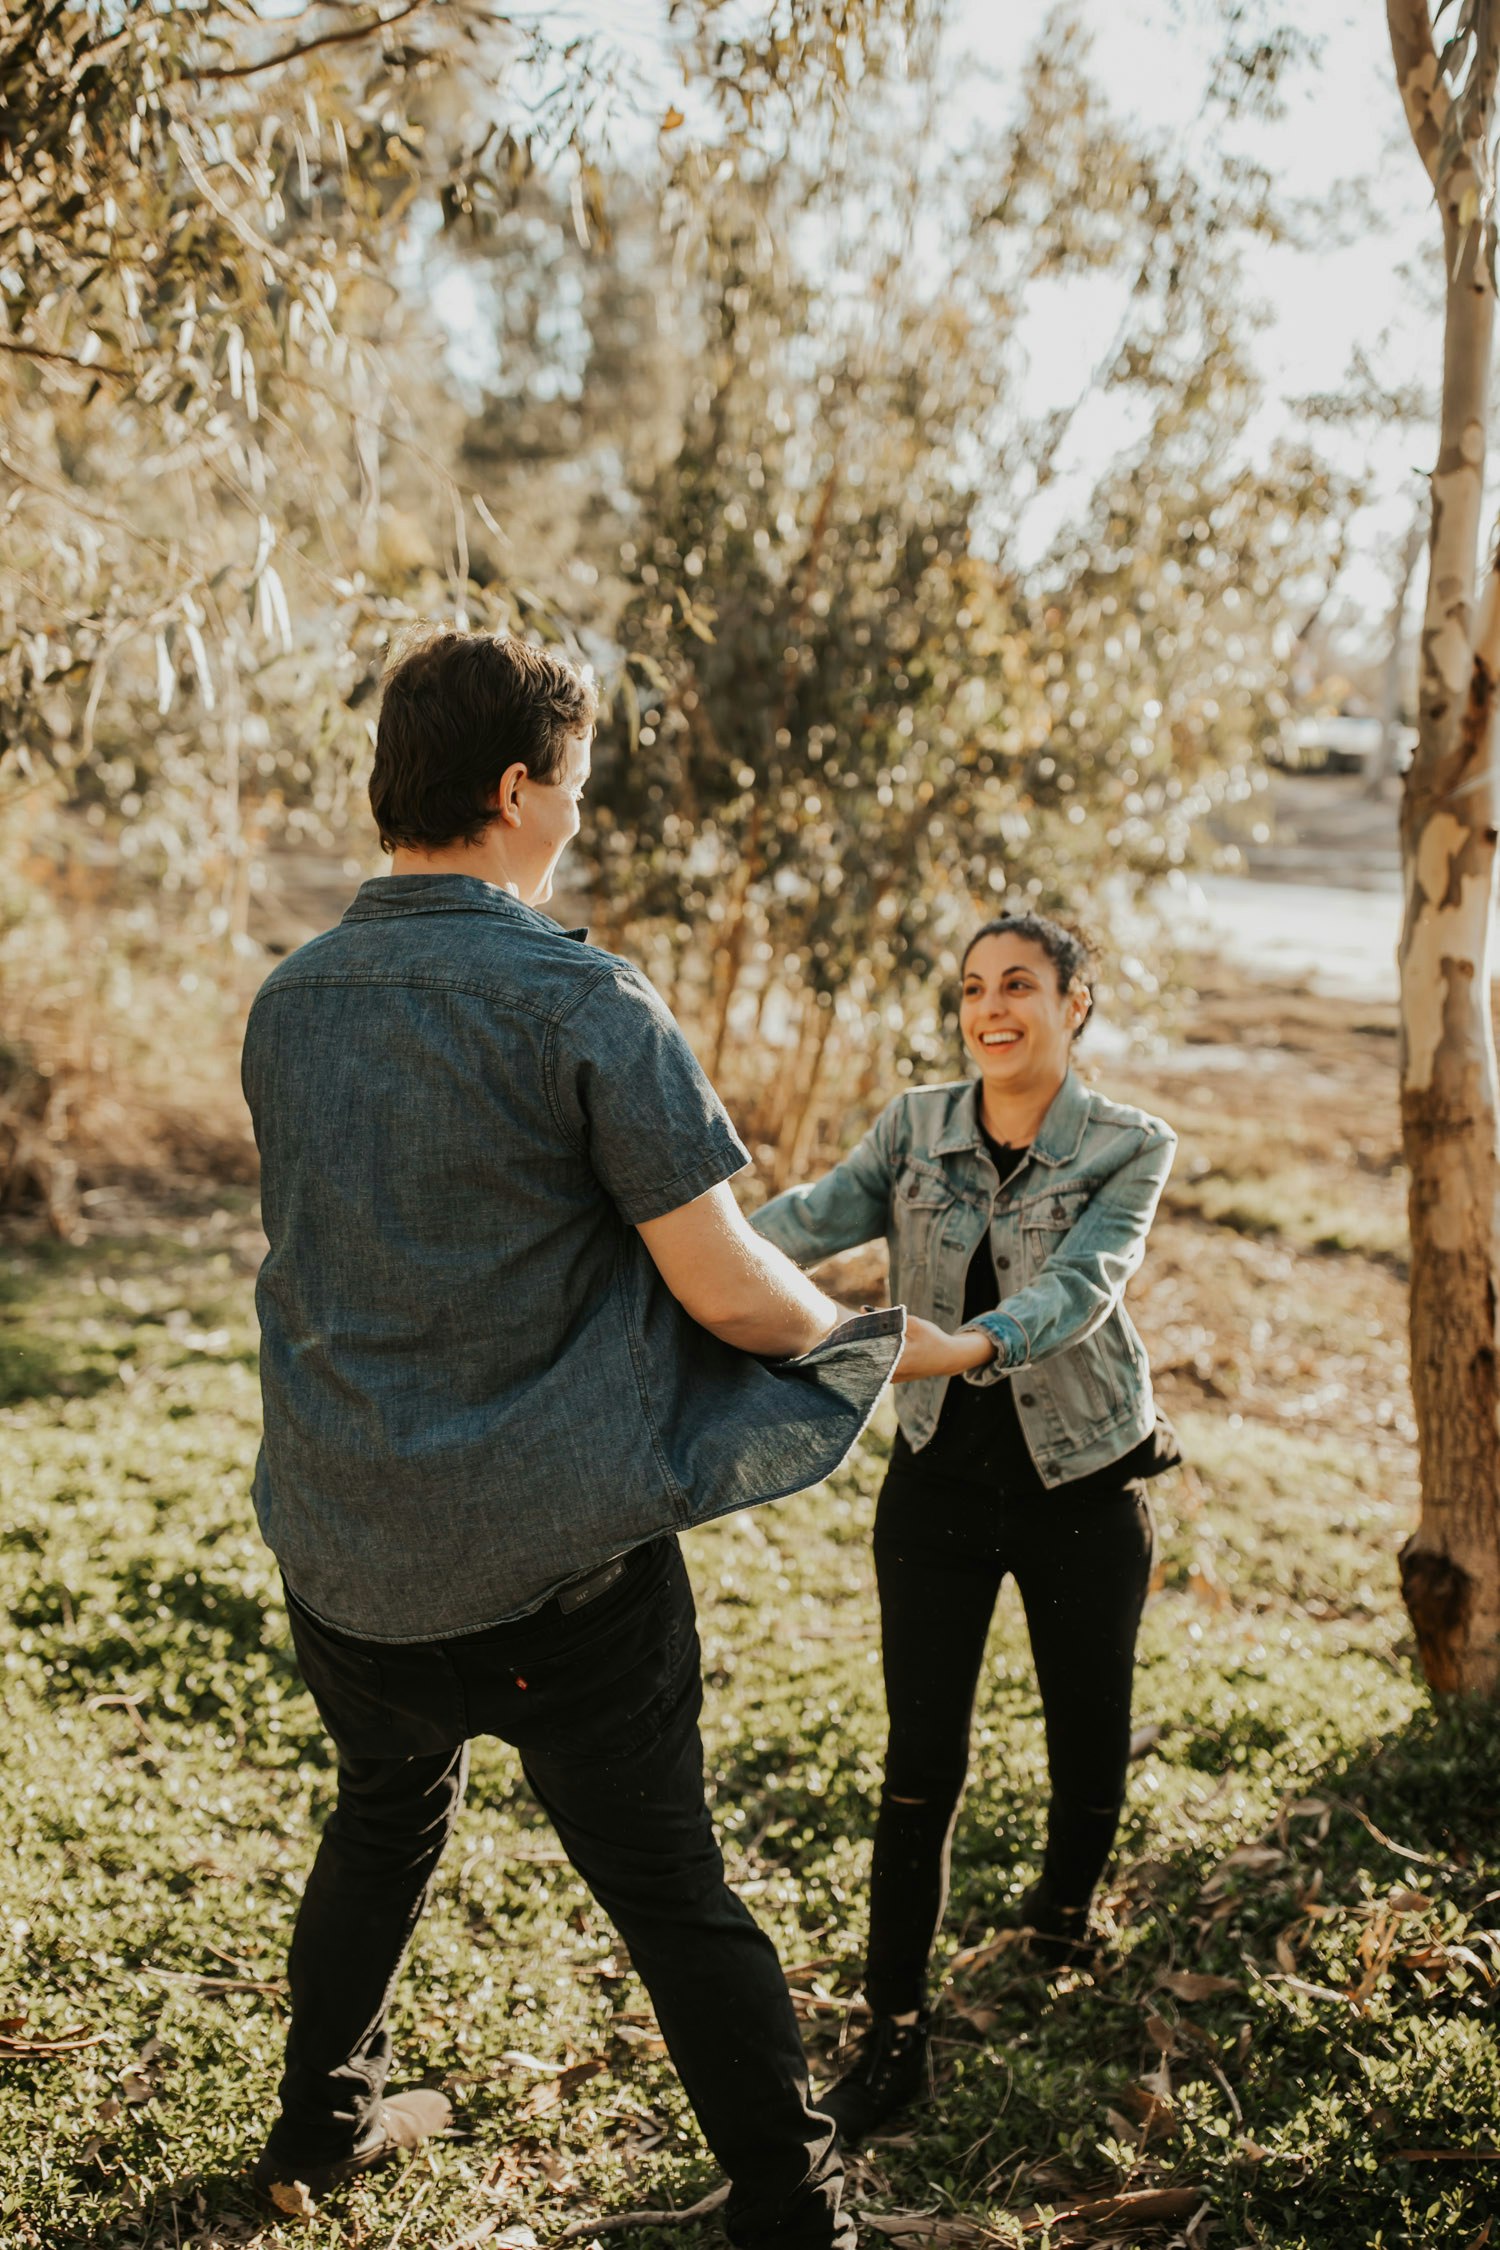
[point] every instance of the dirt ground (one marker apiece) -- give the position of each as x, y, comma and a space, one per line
1287, 1109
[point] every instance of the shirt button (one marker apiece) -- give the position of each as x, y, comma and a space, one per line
1028, 1398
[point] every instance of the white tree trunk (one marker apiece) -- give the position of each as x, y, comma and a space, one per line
1451, 1565
1387, 758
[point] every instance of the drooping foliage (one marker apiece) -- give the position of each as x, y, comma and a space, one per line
865, 698
314, 326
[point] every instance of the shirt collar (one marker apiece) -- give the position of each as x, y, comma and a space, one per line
384, 897
1058, 1136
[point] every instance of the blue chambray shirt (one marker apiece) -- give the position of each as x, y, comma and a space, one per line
476, 1384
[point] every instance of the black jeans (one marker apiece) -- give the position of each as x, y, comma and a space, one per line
603, 1705
942, 1549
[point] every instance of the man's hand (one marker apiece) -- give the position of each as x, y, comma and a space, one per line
734, 1283
930, 1350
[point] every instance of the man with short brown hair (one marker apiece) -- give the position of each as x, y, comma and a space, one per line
516, 1336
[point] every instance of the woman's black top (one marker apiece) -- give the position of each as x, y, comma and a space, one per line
979, 1434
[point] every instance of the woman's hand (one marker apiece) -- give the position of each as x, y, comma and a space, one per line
930, 1350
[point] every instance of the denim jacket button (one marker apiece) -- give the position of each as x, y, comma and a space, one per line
1003, 1264
1028, 1398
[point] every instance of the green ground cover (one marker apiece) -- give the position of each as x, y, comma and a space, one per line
1296, 2032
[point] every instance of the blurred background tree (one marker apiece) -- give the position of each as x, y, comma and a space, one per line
320, 325
860, 708
227, 470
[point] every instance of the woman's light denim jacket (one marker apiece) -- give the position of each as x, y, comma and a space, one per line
1066, 1234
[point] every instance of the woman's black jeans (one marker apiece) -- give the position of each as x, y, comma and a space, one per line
603, 1703
942, 1549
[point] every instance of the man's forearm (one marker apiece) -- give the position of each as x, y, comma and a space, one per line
781, 1318
740, 1288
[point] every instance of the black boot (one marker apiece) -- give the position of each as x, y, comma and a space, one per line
1056, 1935
888, 2071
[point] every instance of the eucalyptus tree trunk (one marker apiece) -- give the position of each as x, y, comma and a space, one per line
1450, 1567
1387, 759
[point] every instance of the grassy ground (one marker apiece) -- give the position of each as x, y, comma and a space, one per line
1294, 2043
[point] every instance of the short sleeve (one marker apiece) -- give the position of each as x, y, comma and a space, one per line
629, 1092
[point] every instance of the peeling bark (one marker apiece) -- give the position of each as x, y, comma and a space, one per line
1450, 1568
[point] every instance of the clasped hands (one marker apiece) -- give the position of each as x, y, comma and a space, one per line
930, 1351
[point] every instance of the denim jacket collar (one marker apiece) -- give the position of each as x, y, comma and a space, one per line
386, 895
1059, 1136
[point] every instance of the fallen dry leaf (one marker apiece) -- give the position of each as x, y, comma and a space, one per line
1132, 2207
1250, 1859
292, 2197
553, 2092
983, 2019
1192, 1984
1149, 2102
1128, 2134
1137, 2204
980, 1956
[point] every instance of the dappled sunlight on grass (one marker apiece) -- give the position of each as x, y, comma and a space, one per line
1300, 1979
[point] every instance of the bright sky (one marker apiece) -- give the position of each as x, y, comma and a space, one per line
1366, 286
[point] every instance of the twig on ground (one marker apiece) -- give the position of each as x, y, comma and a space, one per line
923, 2226
1402, 1851
579, 2230
1447, 2155
273, 1987
66, 2043
400, 2227
1229, 2093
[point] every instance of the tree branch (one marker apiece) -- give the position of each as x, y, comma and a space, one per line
65, 359
308, 46
1423, 94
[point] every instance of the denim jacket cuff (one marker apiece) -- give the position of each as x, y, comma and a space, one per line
1011, 1342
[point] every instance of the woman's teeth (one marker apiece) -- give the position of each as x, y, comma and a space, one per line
998, 1038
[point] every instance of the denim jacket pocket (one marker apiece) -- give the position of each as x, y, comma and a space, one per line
922, 1199
1047, 1220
